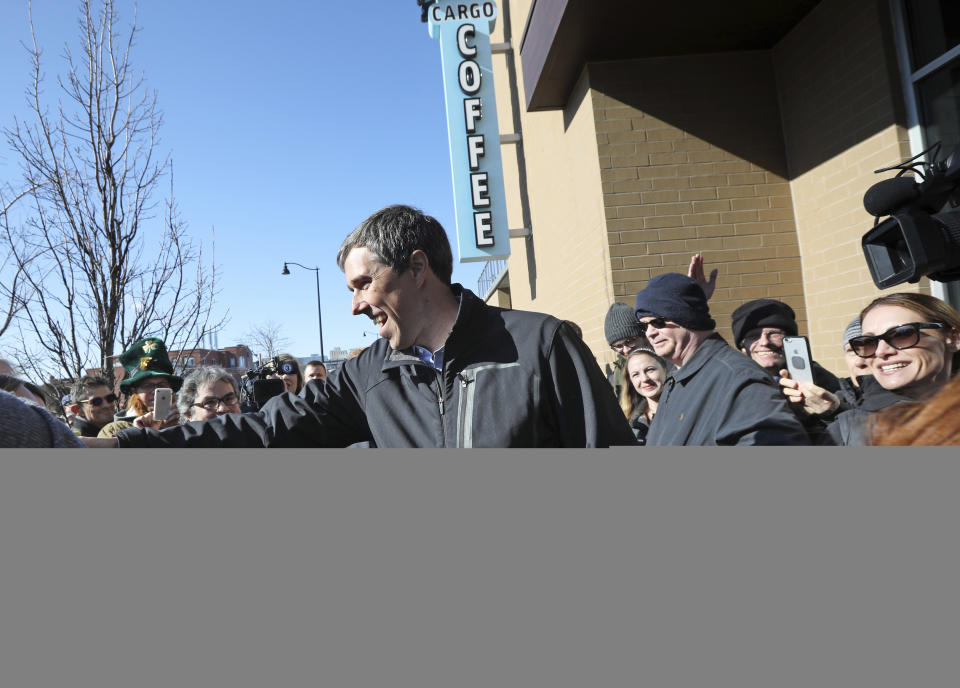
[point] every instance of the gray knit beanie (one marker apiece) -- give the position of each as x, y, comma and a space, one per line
621, 323
853, 330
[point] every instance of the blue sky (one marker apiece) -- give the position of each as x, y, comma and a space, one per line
288, 123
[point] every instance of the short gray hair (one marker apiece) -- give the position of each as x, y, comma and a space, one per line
194, 381
394, 233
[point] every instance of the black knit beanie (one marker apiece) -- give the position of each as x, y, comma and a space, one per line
762, 313
621, 323
678, 298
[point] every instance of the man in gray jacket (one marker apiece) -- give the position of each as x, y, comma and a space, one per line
716, 396
447, 371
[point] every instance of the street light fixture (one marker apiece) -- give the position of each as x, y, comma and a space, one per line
316, 271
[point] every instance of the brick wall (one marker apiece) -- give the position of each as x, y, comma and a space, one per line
564, 268
692, 160
840, 99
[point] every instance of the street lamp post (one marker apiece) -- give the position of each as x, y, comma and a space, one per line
316, 272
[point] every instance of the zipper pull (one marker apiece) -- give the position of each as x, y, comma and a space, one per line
440, 404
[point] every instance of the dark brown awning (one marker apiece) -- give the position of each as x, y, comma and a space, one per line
561, 36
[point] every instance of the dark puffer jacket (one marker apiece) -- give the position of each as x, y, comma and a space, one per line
850, 427
509, 379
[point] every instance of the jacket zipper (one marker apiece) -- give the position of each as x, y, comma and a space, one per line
440, 405
461, 424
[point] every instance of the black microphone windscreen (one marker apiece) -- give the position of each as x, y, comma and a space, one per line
887, 195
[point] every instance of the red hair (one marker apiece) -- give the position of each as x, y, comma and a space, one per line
935, 422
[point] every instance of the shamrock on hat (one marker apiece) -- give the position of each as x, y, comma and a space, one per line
144, 359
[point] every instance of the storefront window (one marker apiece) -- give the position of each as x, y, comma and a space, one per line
938, 97
931, 29
934, 29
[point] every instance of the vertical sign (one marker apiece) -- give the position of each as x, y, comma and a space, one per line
464, 32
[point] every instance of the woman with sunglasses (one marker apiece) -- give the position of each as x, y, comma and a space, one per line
910, 342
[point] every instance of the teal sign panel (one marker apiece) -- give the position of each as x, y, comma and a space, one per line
463, 29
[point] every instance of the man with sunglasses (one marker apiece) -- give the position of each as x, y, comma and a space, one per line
93, 404
716, 396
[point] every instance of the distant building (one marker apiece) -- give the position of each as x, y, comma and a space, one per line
235, 359
338, 353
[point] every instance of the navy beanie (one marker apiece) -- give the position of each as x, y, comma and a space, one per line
762, 313
678, 298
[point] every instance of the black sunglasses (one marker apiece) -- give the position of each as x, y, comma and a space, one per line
899, 337
96, 401
658, 323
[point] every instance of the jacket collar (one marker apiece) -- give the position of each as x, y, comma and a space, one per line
707, 349
468, 303
875, 397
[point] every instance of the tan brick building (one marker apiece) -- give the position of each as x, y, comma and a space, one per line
747, 130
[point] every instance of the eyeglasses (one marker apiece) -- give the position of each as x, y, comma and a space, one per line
213, 403
899, 337
775, 338
623, 343
96, 401
657, 323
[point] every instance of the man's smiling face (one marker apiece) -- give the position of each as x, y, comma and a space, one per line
765, 346
387, 298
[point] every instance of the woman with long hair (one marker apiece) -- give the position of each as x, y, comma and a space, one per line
645, 372
910, 342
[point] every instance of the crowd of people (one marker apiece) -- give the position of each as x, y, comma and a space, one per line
452, 371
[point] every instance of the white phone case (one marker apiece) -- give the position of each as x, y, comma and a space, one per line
161, 403
797, 352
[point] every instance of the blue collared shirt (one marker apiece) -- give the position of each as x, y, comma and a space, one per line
434, 359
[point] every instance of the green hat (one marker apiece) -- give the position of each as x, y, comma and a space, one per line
147, 358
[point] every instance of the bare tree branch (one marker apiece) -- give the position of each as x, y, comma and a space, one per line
266, 339
95, 266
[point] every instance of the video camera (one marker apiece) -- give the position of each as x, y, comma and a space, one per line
919, 238
256, 386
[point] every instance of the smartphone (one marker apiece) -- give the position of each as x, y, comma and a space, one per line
797, 352
161, 403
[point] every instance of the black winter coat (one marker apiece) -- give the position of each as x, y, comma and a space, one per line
850, 427
509, 379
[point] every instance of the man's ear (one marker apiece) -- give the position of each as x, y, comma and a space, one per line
74, 409
419, 265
